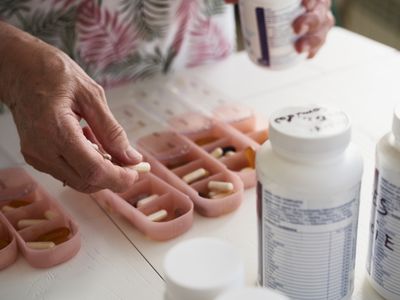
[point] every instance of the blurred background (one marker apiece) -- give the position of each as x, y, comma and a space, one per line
376, 19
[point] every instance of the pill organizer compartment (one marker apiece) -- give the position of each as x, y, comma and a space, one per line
153, 148
41, 206
178, 206
61, 252
8, 245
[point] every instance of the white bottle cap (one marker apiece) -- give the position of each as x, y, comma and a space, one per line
251, 294
309, 130
201, 269
396, 123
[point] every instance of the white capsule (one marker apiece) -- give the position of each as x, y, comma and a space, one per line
217, 152
220, 186
246, 169
40, 245
24, 223
50, 215
158, 216
107, 156
195, 175
142, 167
146, 200
230, 153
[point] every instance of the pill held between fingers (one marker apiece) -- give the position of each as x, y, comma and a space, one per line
142, 167
146, 200
29, 222
220, 186
195, 175
107, 156
158, 216
246, 169
50, 215
40, 245
7, 208
217, 152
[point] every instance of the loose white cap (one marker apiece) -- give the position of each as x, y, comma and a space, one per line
201, 269
251, 294
396, 123
309, 130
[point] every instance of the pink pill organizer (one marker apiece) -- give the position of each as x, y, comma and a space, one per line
27, 214
176, 153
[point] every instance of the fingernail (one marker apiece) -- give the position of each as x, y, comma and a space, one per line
133, 154
303, 29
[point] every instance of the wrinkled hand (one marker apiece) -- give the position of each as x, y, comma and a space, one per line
313, 25
48, 95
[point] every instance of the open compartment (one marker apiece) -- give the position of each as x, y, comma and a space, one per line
259, 136
201, 160
63, 245
178, 207
8, 245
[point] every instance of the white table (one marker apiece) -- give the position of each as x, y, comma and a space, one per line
117, 262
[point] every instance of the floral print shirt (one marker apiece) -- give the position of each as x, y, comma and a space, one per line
121, 40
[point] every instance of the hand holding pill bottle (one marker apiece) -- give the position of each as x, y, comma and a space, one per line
267, 30
309, 177
384, 248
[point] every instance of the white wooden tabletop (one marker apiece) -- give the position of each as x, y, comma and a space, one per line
116, 261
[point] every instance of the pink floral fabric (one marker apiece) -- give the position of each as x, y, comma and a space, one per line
121, 40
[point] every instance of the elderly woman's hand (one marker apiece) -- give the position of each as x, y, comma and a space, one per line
313, 25
48, 94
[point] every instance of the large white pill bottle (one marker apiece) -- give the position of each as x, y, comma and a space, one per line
309, 177
268, 33
383, 262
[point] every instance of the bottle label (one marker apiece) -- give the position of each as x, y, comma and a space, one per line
308, 247
268, 33
384, 253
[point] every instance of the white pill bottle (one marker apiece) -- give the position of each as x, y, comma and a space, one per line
383, 263
309, 177
267, 31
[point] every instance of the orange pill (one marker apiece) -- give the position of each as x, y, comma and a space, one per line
205, 140
3, 243
57, 236
251, 157
19, 203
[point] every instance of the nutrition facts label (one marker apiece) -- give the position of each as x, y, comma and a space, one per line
385, 239
309, 253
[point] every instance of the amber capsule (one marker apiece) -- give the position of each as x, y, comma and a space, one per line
57, 236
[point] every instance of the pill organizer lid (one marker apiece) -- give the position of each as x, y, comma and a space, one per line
310, 129
396, 123
232, 112
202, 268
251, 294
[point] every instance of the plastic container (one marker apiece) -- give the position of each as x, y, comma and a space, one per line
309, 177
384, 249
268, 32
251, 294
21, 200
201, 269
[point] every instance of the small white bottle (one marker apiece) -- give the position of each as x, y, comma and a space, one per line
383, 263
251, 293
309, 177
268, 33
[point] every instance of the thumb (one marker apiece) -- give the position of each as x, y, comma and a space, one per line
108, 131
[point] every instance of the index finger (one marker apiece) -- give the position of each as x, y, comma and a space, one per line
92, 168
